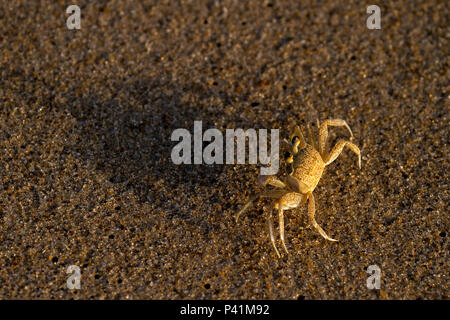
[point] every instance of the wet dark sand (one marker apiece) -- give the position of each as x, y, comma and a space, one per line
86, 176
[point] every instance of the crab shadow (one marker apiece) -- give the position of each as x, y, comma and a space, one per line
127, 137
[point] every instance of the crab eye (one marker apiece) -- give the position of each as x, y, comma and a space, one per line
294, 139
288, 157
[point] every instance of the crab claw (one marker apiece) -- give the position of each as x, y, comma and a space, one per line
270, 180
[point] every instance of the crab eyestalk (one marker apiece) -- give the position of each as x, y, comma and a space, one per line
288, 157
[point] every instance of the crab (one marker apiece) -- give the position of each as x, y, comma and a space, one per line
307, 159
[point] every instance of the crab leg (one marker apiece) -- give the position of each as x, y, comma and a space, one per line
272, 238
311, 213
337, 149
288, 201
323, 133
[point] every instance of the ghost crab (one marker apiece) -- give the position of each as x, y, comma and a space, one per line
307, 159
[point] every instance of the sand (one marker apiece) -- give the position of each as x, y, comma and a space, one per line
86, 176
